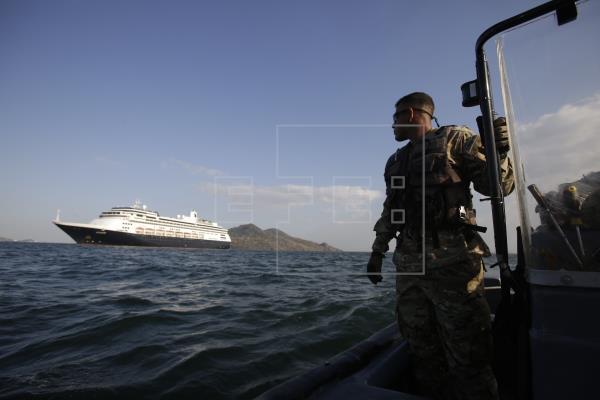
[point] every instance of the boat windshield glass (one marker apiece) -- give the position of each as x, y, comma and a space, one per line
550, 85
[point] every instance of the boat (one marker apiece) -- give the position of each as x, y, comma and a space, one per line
545, 326
137, 226
376, 368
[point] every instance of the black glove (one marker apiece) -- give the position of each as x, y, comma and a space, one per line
374, 267
501, 136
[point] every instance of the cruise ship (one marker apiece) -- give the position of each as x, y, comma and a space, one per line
137, 226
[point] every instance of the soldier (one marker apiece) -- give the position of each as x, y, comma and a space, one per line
440, 305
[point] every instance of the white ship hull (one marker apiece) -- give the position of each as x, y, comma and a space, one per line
88, 234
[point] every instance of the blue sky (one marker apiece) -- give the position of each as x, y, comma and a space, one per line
106, 102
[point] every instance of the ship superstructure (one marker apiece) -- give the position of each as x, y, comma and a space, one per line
137, 226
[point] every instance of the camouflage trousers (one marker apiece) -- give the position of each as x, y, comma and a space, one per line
446, 319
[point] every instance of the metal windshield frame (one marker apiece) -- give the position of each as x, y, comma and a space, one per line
564, 9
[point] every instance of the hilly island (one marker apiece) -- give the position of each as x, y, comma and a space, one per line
251, 237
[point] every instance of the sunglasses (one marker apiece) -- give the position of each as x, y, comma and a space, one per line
398, 113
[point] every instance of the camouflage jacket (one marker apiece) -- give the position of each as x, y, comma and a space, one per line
465, 156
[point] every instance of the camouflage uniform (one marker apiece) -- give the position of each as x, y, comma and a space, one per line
441, 310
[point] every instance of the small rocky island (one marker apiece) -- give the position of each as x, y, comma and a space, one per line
5, 239
251, 237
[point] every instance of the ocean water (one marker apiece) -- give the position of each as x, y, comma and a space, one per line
122, 322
